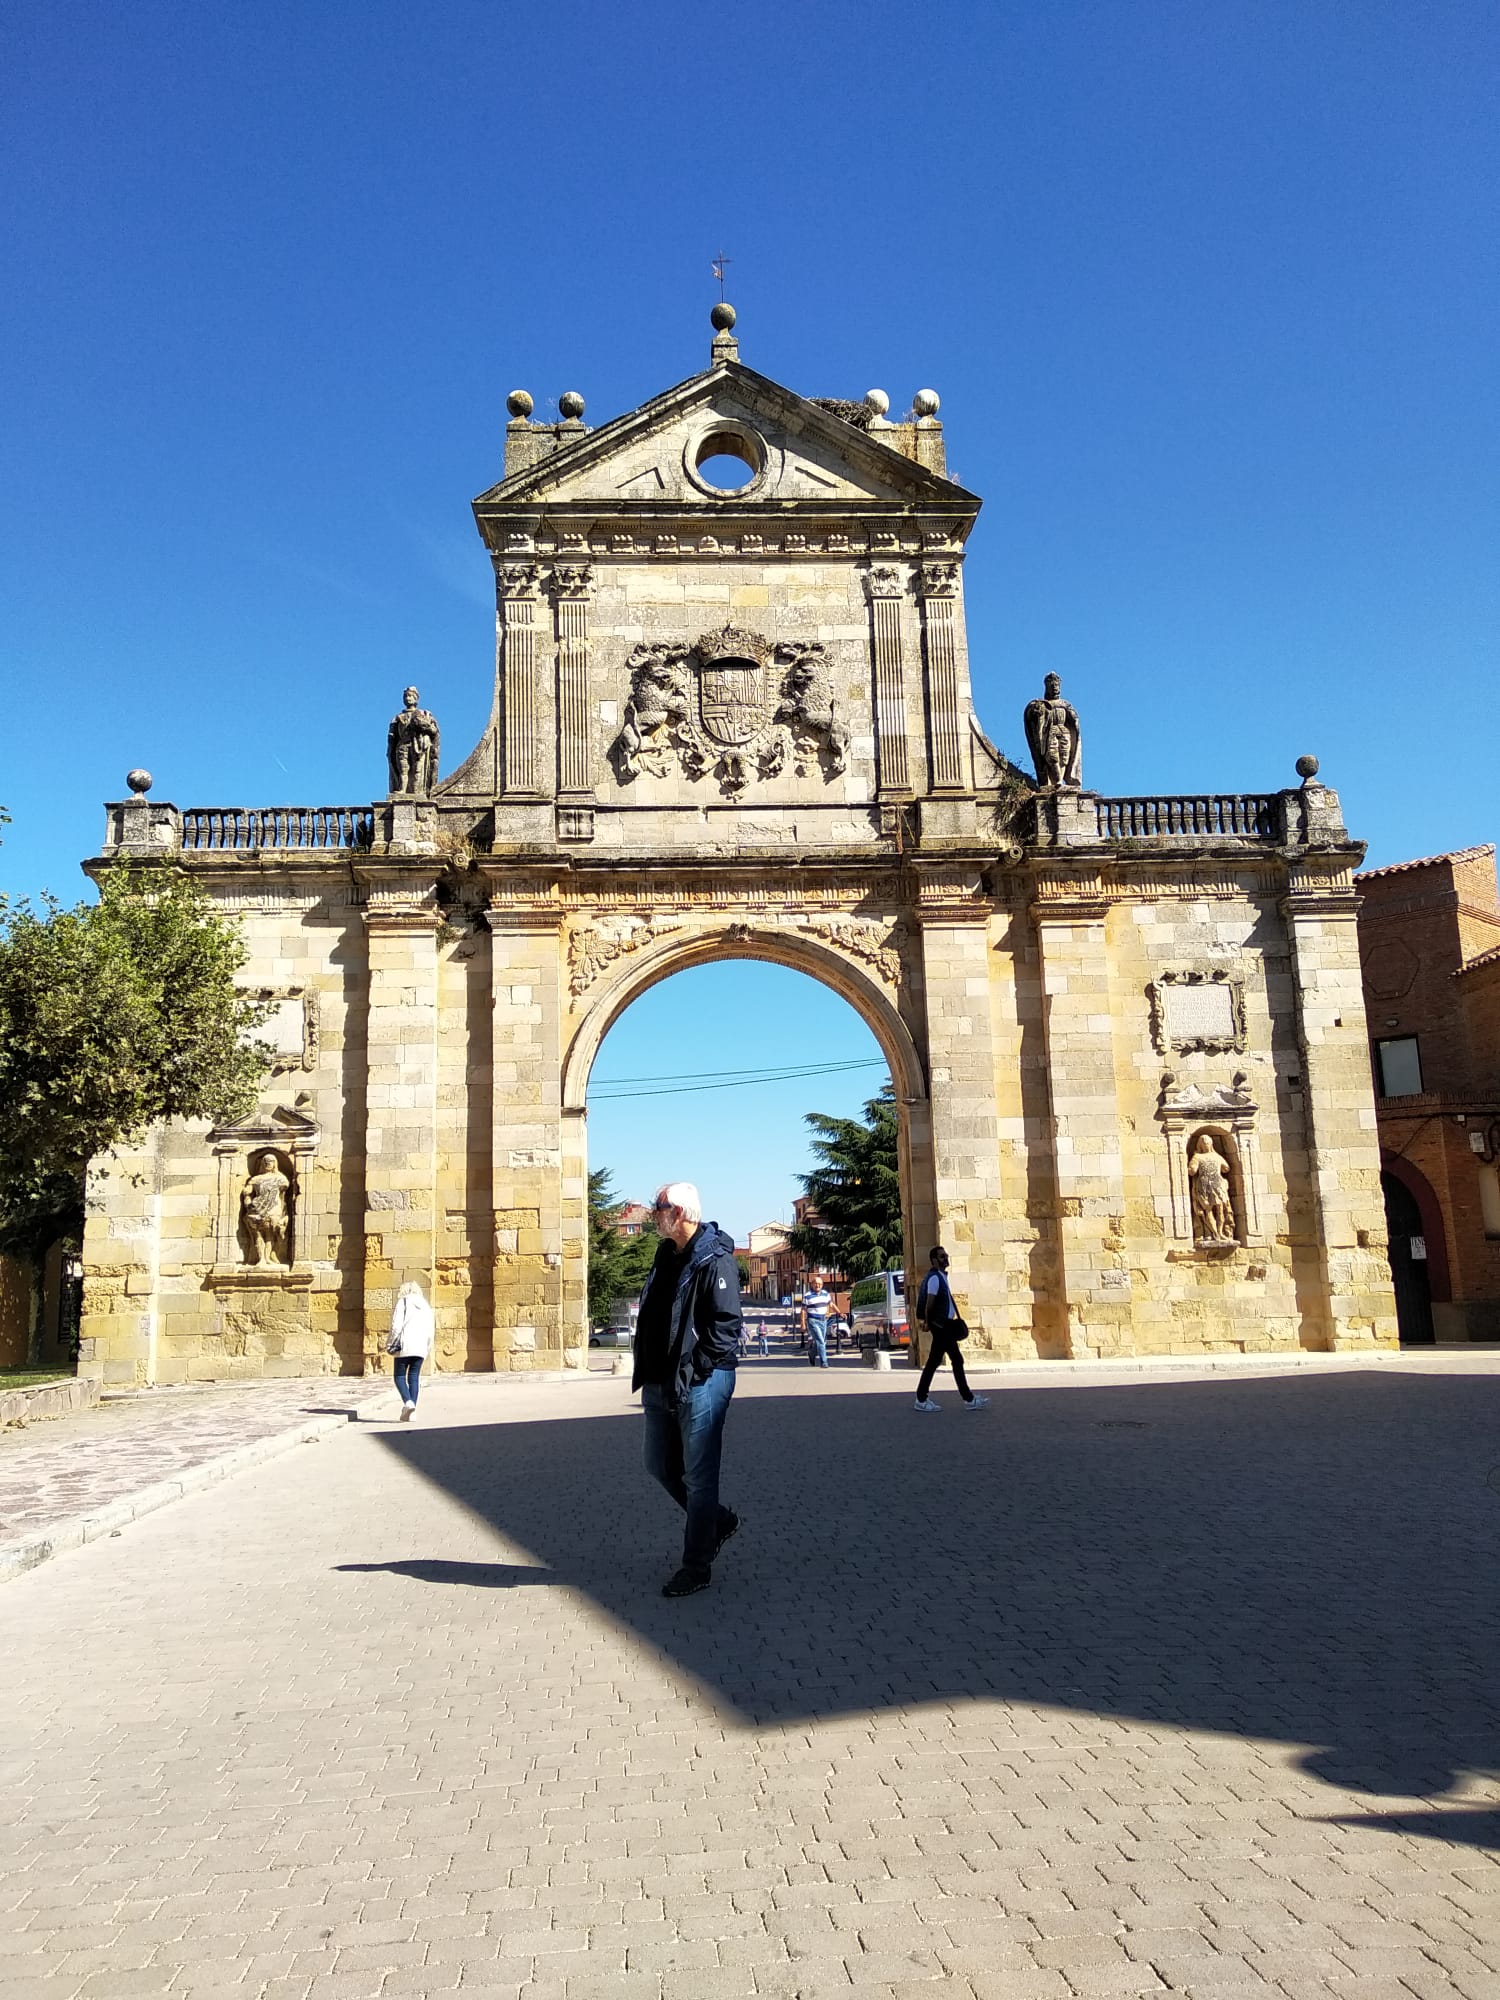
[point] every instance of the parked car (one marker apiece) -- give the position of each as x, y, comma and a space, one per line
619, 1329
877, 1311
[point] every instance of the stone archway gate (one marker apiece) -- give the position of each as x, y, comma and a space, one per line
738, 722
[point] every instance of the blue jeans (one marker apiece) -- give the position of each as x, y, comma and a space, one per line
817, 1341
682, 1447
408, 1371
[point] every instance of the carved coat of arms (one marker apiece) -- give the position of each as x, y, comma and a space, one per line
731, 705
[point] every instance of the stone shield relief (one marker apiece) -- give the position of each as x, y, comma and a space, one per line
731, 707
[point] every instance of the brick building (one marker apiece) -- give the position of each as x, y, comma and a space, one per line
1429, 934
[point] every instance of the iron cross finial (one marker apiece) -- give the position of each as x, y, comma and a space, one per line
719, 262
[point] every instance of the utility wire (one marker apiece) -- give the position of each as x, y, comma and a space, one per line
717, 1075
618, 1092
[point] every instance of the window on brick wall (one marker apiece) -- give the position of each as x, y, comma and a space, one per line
1489, 1199
1398, 1066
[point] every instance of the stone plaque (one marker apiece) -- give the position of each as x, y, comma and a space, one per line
1199, 1013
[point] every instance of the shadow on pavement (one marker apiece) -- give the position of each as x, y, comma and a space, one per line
1465, 1826
478, 1576
1304, 1558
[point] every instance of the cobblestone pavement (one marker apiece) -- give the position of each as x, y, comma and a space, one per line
1178, 1686
60, 1467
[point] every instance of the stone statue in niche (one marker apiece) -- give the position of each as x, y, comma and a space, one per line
265, 1212
1209, 1193
411, 749
1053, 735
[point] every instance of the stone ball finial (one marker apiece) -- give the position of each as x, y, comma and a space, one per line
722, 317
878, 401
571, 405
139, 782
1307, 769
927, 402
519, 403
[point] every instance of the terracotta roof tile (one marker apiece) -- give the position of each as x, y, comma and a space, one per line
1427, 861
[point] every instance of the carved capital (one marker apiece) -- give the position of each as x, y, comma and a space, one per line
572, 579
885, 580
937, 579
517, 580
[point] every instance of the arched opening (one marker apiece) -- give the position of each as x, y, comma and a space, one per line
1417, 1248
699, 1061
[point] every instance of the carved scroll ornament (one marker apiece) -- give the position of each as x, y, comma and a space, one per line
593, 947
866, 938
732, 706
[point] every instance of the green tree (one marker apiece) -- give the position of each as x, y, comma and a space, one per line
113, 1015
617, 1264
855, 1189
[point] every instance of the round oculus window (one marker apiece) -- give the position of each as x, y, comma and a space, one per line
726, 460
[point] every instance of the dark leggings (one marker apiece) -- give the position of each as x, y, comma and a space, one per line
944, 1343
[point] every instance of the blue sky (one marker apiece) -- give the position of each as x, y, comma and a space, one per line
1209, 294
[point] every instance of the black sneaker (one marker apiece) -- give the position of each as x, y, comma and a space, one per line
686, 1583
727, 1533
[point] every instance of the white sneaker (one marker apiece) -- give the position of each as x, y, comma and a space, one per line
928, 1408
406, 1410
977, 1403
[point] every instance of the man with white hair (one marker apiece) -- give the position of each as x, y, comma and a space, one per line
687, 1341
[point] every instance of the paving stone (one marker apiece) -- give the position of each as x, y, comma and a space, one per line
416, 1772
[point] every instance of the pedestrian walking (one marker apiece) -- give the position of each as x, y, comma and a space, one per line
413, 1328
765, 1338
945, 1331
816, 1306
686, 1345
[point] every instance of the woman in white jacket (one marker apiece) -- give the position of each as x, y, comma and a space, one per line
412, 1329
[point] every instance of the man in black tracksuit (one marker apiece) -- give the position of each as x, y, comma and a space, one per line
687, 1341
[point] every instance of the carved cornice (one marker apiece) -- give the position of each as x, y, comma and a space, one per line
1179, 1104
957, 895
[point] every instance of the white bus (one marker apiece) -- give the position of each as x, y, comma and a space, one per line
877, 1311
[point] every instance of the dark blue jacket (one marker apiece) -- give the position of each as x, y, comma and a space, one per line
705, 1316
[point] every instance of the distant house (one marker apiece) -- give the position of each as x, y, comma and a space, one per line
631, 1218
776, 1270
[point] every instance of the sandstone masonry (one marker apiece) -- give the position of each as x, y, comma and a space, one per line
737, 722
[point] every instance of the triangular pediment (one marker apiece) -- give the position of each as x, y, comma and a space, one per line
802, 455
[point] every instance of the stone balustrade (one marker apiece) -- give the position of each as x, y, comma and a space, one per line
241, 828
1233, 815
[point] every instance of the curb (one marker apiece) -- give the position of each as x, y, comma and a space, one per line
16, 1558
